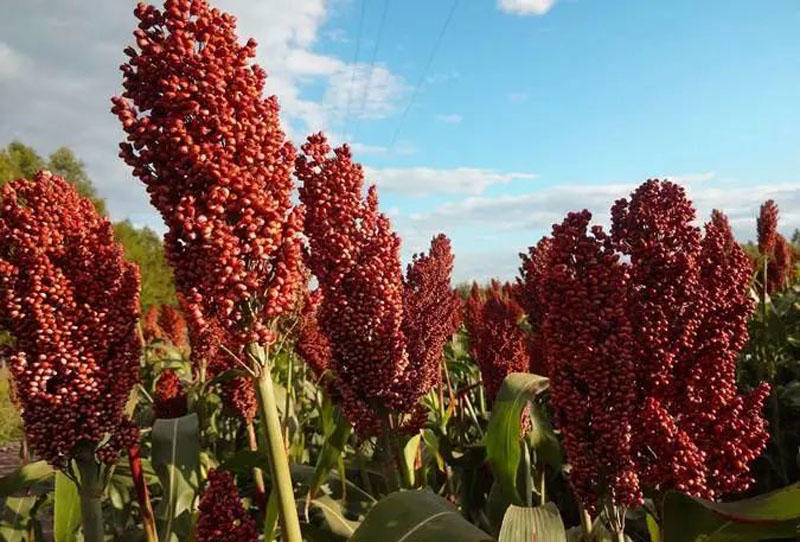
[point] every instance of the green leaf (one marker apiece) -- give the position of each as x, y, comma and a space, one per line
653, 529
271, 519
333, 516
25, 477
542, 523
416, 516
410, 459
176, 460
502, 439
331, 451
773, 515
16, 517
66, 510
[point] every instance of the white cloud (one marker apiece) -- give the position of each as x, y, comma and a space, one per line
489, 232
78, 45
363, 148
427, 181
360, 92
11, 62
525, 7
539, 210
453, 118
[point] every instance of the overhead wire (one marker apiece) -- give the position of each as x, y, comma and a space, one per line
355, 69
424, 73
371, 69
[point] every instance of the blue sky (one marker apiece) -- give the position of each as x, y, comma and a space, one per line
528, 109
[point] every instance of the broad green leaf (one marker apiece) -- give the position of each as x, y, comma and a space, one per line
653, 529
541, 523
331, 451
773, 515
333, 517
416, 516
410, 459
244, 461
25, 477
66, 510
176, 460
16, 518
502, 439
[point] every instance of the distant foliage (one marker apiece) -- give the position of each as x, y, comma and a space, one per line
144, 247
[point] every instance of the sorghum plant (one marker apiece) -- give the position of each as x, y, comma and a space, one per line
222, 517
776, 254
386, 333
680, 343
217, 166
169, 399
498, 343
583, 303
173, 325
673, 314
71, 303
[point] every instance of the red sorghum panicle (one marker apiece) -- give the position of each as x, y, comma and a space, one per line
432, 313
151, 331
767, 226
727, 427
588, 334
222, 518
217, 166
312, 345
654, 229
71, 302
354, 255
173, 325
779, 265
169, 399
239, 397
683, 302
497, 342
689, 302
526, 292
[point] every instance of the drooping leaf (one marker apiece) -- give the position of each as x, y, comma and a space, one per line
410, 459
333, 517
503, 435
773, 515
25, 478
66, 510
176, 460
416, 516
16, 517
541, 523
332, 449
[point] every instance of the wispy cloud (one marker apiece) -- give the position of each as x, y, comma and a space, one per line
525, 7
452, 118
420, 181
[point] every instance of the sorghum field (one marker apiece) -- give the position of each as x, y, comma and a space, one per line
637, 382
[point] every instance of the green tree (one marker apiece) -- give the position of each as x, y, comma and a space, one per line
18, 160
144, 247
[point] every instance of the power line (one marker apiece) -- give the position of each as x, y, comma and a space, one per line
355, 67
371, 67
414, 93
